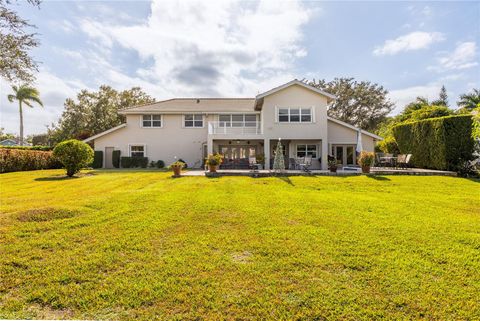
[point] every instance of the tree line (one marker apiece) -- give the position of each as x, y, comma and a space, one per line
361, 103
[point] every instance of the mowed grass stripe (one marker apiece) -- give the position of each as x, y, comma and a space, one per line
143, 245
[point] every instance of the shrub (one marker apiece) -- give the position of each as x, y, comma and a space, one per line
116, 158
389, 145
97, 159
134, 162
366, 158
444, 143
40, 140
74, 155
13, 160
160, 164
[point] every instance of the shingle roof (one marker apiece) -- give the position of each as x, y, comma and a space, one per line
195, 105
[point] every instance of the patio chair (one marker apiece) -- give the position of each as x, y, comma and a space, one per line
401, 159
299, 161
405, 161
378, 157
306, 164
252, 162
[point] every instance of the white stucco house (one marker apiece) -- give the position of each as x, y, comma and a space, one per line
238, 128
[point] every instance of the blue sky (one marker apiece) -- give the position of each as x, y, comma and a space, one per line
208, 48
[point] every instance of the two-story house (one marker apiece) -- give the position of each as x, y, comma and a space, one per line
238, 128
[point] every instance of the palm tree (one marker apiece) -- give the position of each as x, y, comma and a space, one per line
471, 100
25, 95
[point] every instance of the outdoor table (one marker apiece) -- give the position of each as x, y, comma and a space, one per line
388, 159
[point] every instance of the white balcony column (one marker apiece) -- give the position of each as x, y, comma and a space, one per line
324, 154
209, 145
266, 152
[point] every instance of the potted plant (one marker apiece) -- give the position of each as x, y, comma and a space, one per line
332, 164
366, 160
213, 161
177, 168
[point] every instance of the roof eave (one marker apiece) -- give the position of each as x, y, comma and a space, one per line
354, 128
108, 131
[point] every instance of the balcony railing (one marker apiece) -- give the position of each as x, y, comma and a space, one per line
235, 128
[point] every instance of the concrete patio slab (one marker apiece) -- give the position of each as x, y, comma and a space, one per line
267, 173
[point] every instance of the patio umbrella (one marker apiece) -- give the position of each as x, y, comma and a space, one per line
359, 141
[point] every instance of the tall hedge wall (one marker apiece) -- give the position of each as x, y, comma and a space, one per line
13, 160
443, 143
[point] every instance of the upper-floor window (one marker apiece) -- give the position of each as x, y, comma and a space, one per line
237, 120
193, 120
295, 115
152, 121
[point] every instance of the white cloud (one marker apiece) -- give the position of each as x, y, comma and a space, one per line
413, 41
209, 47
463, 57
402, 97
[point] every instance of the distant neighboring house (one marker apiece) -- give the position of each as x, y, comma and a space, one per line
9, 142
191, 128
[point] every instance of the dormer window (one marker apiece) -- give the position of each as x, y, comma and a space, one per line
294, 115
151, 121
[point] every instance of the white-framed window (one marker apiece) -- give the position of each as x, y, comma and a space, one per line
237, 120
294, 115
137, 150
193, 120
151, 120
306, 150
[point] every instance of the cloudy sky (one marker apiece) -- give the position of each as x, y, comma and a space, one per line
207, 48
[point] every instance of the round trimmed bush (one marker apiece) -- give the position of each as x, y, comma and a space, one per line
74, 155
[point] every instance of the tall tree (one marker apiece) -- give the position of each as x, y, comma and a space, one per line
16, 64
417, 104
470, 100
24, 95
94, 112
363, 104
442, 98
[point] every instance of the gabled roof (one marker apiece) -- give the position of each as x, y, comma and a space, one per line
104, 133
9, 142
204, 105
354, 128
299, 83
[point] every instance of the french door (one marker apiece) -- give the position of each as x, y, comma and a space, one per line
237, 152
344, 154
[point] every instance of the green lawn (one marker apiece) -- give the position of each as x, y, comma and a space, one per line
141, 245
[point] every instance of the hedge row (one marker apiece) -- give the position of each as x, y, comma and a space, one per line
44, 148
13, 160
97, 159
443, 143
116, 158
132, 162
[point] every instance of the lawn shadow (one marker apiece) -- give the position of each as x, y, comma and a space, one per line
54, 178
473, 179
286, 179
379, 178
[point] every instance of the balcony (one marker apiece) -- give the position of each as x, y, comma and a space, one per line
235, 128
